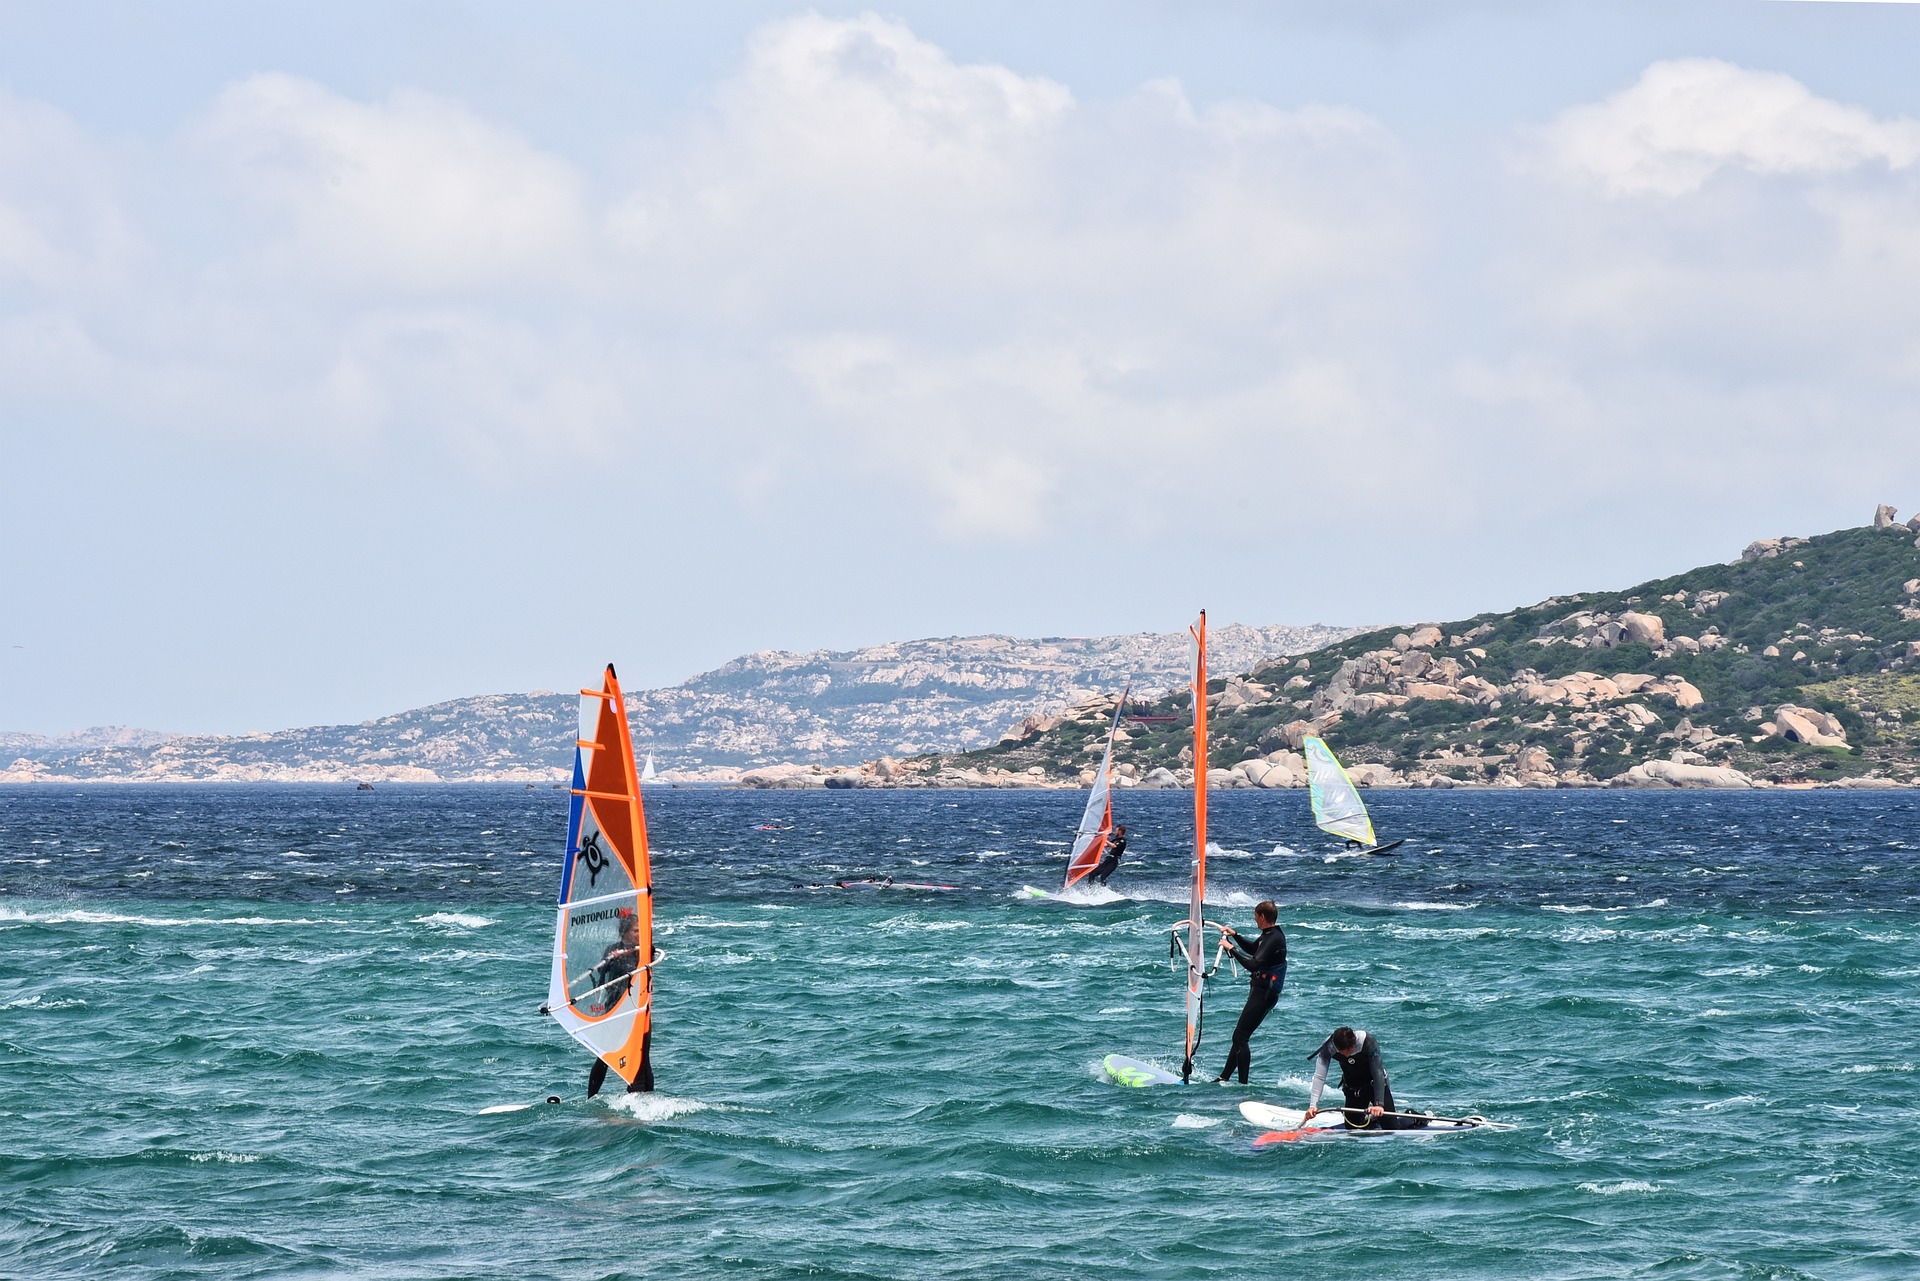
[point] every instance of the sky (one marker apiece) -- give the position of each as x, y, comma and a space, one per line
355, 356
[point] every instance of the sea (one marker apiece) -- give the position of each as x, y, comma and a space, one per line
257, 1031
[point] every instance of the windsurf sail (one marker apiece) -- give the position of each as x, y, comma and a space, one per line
647, 772
1337, 807
1096, 822
1195, 944
601, 990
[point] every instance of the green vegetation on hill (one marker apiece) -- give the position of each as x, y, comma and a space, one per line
1827, 625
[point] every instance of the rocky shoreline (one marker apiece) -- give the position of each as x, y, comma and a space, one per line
1283, 770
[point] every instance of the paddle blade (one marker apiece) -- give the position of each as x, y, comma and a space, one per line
1280, 1136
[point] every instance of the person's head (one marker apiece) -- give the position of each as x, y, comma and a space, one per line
629, 924
1345, 1041
1119, 829
1266, 913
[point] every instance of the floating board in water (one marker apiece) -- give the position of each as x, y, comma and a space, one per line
886, 885
1288, 1125
1133, 1072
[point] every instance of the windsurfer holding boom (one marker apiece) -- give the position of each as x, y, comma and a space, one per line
1116, 846
1266, 963
614, 977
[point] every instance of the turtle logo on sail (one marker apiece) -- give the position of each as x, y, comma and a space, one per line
594, 857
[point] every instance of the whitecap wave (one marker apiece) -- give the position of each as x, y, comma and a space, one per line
1737, 1100
656, 1107
465, 920
1188, 1121
1618, 1187
1082, 895
225, 1158
88, 916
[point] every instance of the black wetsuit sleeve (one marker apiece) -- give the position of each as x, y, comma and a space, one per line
1376, 1072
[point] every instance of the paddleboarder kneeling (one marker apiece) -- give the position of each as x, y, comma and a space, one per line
1266, 962
1363, 1080
1116, 846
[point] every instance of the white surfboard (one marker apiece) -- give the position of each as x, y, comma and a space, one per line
1285, 1125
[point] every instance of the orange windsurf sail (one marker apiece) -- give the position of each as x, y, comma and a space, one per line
601, 990
1196, 942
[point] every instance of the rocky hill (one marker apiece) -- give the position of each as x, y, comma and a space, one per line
1798, 663
763, 709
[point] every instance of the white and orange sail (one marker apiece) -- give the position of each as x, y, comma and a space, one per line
1195, 943
601, 989
1096, 821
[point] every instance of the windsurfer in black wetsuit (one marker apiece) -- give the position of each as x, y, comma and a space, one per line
1116, 846
1363, 1080
613, 977
1266, 961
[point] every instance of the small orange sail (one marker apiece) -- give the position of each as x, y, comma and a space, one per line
601, 990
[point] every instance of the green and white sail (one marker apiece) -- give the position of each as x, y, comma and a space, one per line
1337, 807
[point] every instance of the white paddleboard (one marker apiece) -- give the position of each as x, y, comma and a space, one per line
1137, 1073
1284, 1125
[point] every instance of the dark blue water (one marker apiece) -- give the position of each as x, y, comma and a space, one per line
261, 1032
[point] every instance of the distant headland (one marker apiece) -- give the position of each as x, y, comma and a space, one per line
1795, 664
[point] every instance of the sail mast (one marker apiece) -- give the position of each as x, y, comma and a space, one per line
1196, 905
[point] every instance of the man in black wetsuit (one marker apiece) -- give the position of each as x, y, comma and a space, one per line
1363, 1080
1266, 961
1116, 846
614, 977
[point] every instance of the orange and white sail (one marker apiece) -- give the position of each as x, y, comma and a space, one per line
1096, 821
1195, 943
601, 990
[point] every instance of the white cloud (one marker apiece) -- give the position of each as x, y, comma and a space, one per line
863, 280
415, 192
61, 227
1687, 119
1006, 299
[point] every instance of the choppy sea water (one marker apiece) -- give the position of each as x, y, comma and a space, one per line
256, 1032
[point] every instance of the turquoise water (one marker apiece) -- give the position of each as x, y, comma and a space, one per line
249, 1033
